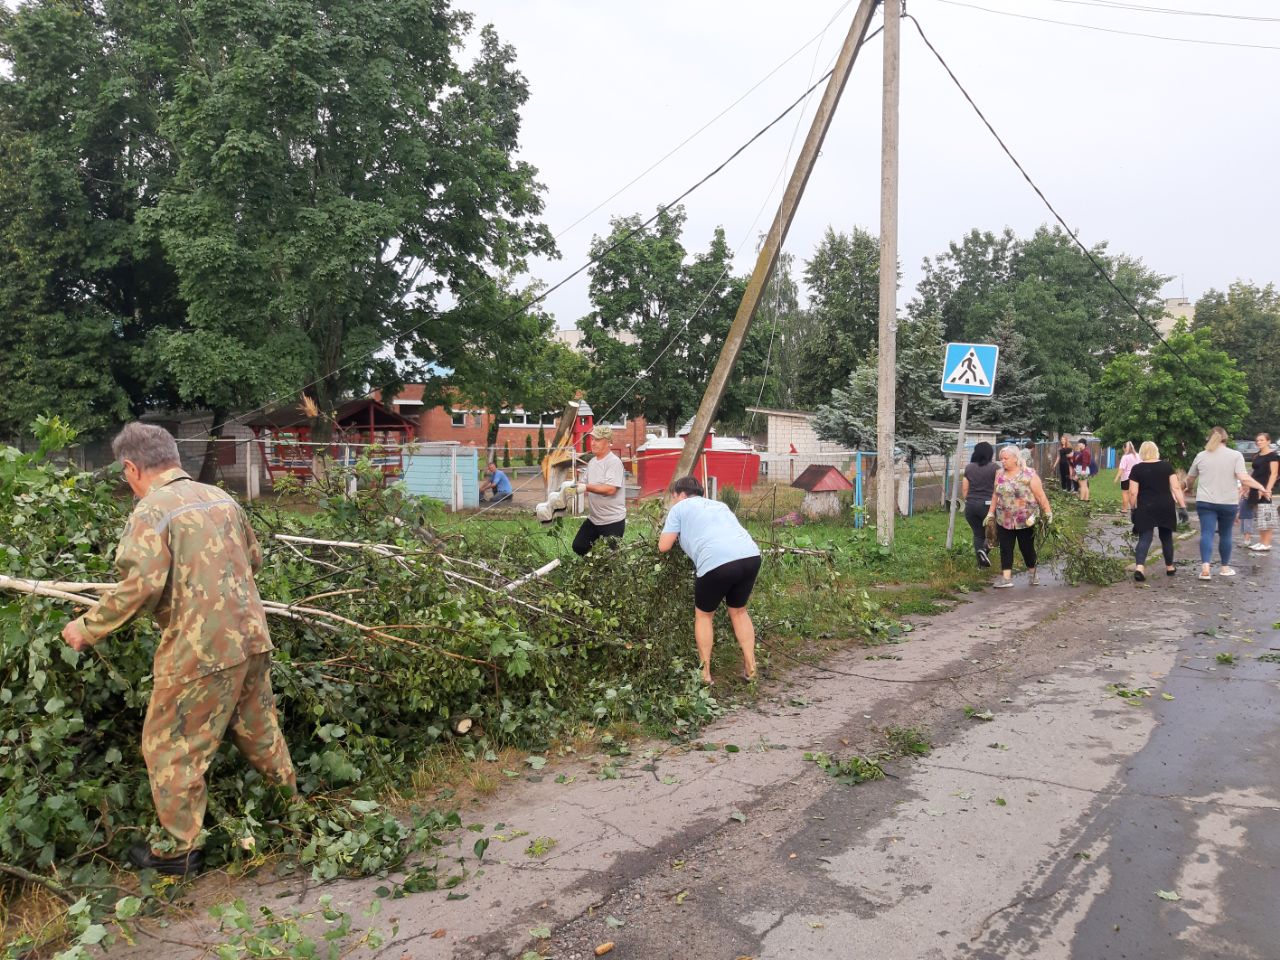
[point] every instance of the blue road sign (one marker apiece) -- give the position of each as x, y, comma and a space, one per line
970, 369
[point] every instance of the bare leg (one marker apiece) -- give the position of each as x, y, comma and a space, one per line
745, 631
704, 635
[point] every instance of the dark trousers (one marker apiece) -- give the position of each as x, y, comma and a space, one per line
1026, 540
590, 532
976, 516
1144, 545
1064, 476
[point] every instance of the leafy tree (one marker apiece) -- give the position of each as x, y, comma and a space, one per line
1073, 321
80, 285
660, 319
1017, 404
500, 366
506, 453
1245, 323
968, 286
842, 322
339, 170
528, 449
850, 417
217, 205
542, 440
1175, 402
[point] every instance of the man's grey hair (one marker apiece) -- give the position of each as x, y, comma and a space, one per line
148, 446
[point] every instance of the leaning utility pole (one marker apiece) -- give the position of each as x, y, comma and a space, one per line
887, 377
767, 259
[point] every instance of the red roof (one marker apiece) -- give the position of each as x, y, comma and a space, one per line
822, 478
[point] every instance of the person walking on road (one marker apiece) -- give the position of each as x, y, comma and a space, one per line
1063, 464
1127, 462
1015, 505
977, 488
189, 555
1081, 462
1157, 495
606, 488
1266, 467
726, 562
1215, 473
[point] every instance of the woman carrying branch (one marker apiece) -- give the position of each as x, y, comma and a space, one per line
726, 562
1015, 505
1216, 471
1156, 493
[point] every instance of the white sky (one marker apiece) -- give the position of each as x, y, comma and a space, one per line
1168, 150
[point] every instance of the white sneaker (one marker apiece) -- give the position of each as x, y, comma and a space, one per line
1259, 547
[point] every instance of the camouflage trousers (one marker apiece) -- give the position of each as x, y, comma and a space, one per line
185, 725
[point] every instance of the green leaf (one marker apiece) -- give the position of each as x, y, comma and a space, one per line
1167, 895
541, 932
128, 907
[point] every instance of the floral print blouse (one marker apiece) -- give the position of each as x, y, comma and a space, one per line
1014, 504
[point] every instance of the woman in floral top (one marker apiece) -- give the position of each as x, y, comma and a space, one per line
1017, 502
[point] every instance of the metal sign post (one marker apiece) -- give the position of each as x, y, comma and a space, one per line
968, 370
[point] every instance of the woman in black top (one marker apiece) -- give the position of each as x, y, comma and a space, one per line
978, 485
1266, 467
1156, 493
1063, 463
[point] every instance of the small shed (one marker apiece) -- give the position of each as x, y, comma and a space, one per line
284, 437
822, 484
447, 472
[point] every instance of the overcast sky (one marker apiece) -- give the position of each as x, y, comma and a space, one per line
1168, 150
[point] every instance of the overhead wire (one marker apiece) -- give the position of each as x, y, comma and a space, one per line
1119, 6
1097, 265
1115, 30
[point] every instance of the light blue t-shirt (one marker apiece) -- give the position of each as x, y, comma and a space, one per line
709, 533
501, 485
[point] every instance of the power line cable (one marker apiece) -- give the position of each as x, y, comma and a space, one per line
1102, 271
1141, 8
1126, 33
687, 140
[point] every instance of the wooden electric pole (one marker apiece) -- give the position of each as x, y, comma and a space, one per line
887, 378
767, 259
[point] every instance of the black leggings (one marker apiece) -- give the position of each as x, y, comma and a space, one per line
1026, 540
590, 532
976, 515
1144, 545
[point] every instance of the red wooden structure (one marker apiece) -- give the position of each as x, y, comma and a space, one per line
732, 462
284, 438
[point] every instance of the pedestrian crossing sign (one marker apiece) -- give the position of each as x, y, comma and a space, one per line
970, 369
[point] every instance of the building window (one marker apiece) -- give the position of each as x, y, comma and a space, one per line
459, 417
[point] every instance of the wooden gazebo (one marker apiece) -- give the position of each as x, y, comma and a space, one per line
284, 438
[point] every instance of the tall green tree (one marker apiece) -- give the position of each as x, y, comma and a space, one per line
339, 171
496, 370
80, 158
215, 204
1073, 321
1017, 404
659, 322
841, 324
1175, 402
1245, 323
850, 416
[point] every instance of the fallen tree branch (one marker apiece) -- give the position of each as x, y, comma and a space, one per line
542, 571
57, 889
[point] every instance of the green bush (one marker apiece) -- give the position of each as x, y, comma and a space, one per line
528, 450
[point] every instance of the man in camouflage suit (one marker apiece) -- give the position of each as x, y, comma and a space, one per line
188, 556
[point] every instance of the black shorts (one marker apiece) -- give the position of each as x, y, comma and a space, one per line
1124, 484
590, 532
731, 582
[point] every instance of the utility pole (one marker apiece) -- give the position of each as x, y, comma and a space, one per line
767, 258
887, 377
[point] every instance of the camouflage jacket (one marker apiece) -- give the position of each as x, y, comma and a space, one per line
188, 555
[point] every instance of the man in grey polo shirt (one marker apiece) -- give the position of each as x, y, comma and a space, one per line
606, 488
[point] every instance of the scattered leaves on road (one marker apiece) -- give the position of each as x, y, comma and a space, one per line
1167, 895
540, 846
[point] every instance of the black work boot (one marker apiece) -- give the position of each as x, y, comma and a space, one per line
184, 865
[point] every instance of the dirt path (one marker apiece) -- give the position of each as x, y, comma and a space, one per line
1043, 832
